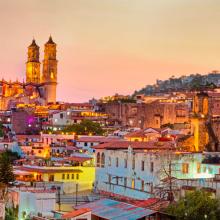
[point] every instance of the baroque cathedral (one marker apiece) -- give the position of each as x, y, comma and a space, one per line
39, 87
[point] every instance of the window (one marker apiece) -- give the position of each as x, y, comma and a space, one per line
151, 167
85, 144
116, 180
185, 168
133, 163
98, 160
103, 160
72, 176
125, 181
116, 162
77, 176
133, 183
198, 168
61, 115
142, 185
109, 178
63, 176
142, 165
68, 176
51, 178
125, 163
109, 161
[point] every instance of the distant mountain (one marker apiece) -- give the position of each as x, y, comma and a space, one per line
183, 83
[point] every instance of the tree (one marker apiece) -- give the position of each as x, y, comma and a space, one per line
12, 156
167, 187
1, 130
196, 205
6, 169
11, 213
85, 127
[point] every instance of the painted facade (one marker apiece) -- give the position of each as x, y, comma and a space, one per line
136, 173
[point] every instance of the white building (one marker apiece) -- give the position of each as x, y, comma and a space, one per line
136, 169
32, 201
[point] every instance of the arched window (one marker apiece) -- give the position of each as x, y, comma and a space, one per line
103, 160
98, 159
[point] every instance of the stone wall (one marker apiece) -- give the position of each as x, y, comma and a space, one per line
146, 115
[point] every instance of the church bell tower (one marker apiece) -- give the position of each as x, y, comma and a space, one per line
33, 64
49, 75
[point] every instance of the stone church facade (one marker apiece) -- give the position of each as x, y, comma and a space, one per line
39, 87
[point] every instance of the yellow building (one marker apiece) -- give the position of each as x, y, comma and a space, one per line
82, 175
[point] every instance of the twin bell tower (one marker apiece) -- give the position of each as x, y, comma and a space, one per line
47, 80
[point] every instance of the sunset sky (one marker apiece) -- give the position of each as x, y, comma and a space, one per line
109, 46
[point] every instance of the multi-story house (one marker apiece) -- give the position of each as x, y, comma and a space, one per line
140, 170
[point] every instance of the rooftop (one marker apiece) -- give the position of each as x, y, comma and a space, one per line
76, 213
136, 145
45, 169
111, 209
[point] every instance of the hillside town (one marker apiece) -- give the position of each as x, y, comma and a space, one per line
118, 157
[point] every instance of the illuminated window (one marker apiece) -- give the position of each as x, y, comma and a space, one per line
198, 168
133, 183
63, 176
185, 168
72, 176
142, 185
68, 176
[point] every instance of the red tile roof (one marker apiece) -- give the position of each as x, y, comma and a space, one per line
76, 213
48, 170
77, 159
136, 145
97, 139
144, 132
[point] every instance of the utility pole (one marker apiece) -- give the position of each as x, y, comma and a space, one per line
59, 202
76, 193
